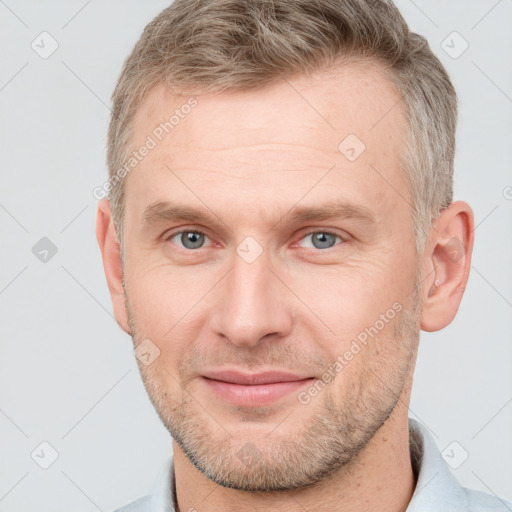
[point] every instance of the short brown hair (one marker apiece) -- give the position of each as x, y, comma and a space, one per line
236, 45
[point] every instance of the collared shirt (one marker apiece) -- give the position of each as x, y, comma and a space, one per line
437, 490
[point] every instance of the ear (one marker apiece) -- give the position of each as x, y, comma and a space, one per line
447, 261
110, 251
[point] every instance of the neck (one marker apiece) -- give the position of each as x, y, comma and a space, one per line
379, 478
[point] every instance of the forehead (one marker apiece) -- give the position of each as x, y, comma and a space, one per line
348, 98
271, 144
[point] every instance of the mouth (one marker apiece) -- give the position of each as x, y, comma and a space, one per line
253, 390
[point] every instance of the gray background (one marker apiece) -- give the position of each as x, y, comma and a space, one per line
67, 372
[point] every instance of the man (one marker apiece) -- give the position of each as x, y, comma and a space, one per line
279, 229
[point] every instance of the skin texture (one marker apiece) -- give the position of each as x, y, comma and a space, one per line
248, 160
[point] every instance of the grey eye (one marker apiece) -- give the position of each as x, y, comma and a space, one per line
322, 239
190, 239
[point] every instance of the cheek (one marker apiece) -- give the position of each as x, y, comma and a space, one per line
343, 302
159, 294
167, 306
156, 316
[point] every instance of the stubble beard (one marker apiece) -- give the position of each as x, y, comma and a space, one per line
328, 440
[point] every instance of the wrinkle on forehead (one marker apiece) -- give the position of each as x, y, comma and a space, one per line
355, 99
279, 142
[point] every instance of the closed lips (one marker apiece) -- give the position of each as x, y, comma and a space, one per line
256, 379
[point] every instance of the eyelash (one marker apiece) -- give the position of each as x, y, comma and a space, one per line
198, 231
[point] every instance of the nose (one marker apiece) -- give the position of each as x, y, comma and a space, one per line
252, 304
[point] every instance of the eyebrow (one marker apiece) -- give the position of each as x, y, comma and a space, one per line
330, 210
165, 211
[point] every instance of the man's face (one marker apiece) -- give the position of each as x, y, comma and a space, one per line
259, 285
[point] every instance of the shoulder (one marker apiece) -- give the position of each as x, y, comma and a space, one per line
436, 486
478, 501
141, 505
161, 497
